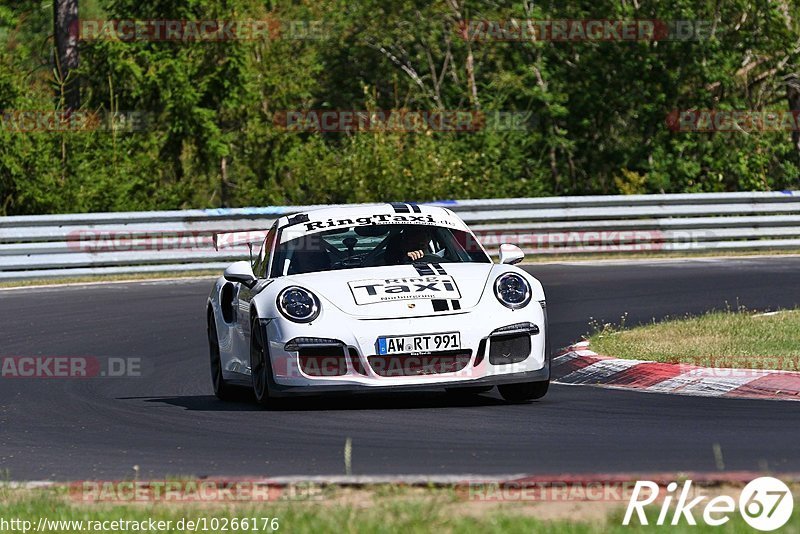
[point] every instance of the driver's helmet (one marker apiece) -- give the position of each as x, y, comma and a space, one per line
416, 238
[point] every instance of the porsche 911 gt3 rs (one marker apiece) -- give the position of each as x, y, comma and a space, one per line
374, 298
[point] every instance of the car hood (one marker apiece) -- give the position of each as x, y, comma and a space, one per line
402, 290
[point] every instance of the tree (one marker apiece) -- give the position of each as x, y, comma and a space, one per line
65, 26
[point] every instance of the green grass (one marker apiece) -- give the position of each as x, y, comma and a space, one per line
414, 510
739, 339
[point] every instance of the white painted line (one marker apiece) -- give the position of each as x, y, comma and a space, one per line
567, 356
702, 384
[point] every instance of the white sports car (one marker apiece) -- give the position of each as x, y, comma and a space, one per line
376, 298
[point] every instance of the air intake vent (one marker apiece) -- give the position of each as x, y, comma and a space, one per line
414, 365
323, 361
507, 349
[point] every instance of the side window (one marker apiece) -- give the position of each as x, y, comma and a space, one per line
258, 260
261, 261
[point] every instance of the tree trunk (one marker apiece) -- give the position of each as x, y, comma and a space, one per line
793, 96
223, 168
65, 25
472, 87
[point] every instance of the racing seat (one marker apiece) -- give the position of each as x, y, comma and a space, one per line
395, 251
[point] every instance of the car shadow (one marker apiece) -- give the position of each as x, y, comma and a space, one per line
202, 403
362, 401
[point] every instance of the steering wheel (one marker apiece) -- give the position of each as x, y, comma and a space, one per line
348, 263
427, 258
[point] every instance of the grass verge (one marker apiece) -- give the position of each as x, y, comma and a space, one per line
375, 509
133, 277
738, 339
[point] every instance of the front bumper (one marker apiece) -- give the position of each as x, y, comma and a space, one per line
358, 344
278, 390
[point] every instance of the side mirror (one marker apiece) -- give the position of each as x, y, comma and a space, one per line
241, 272
510, 254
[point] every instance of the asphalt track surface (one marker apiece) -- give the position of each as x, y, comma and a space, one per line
168, 423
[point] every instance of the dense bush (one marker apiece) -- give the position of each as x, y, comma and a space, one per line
599, 109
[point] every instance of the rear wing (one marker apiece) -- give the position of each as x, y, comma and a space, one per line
234, 239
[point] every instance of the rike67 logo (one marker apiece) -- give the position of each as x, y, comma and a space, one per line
765, 504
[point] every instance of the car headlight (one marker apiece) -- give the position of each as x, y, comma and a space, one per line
298, 304
512, 290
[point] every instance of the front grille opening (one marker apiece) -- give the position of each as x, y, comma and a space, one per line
323, 361
416, 365
509, 349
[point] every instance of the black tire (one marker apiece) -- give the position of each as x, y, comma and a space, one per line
222, 389
524, 392
259, 363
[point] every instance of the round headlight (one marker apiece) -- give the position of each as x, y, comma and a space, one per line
512, 290
298, 304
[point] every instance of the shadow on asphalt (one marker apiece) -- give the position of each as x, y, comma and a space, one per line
362, 401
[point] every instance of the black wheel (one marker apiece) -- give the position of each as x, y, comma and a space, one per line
525, 391
259, 363
222, 389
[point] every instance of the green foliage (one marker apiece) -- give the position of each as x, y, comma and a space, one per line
212, 140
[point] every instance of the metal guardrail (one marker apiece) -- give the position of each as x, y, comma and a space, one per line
43, 246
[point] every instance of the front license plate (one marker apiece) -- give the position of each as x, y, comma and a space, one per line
421, 343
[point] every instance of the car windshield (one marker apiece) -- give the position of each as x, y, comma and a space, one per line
376, 245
